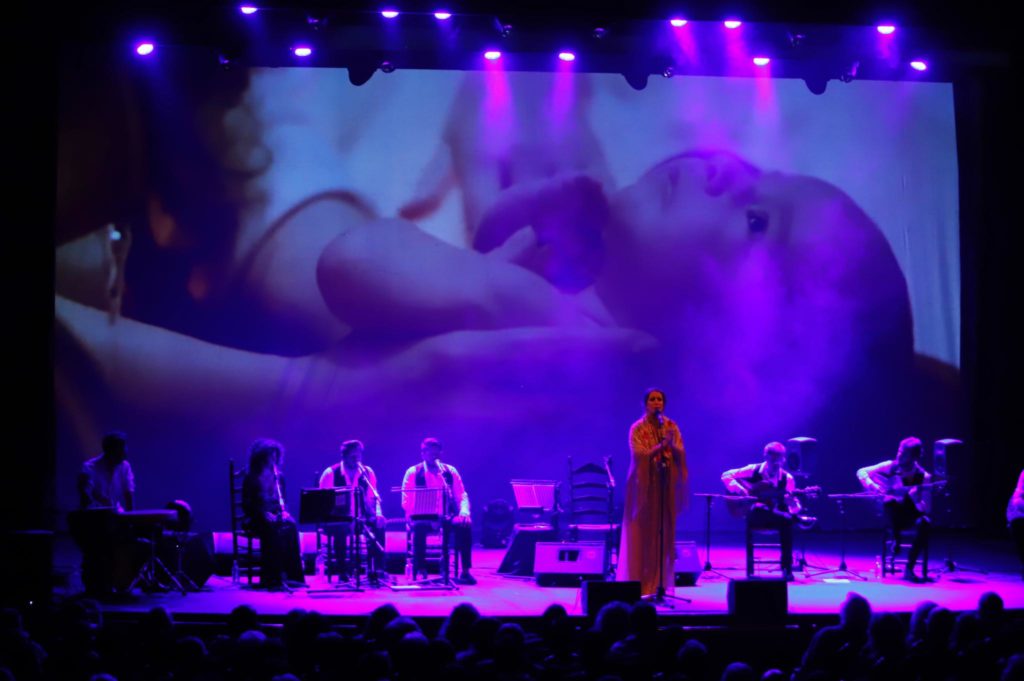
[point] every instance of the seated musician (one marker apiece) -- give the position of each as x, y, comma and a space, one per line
351, 472
1015, 519
776, 505
107, 481
431, 473
106, 485
905, 500
267, 517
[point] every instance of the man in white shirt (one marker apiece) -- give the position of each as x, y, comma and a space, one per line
905, 501
776, 505
107, 481
431, 473
351, 472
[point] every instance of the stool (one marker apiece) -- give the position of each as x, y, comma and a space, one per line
757, 542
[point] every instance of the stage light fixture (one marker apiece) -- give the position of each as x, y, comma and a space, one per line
677, 22
248, 9
442, 15
492, 55
387, 67
302, 50
919, 65
762, 61
600, 33
732, 23
144, 49
315, 21
504, 30
389, 13
885, 29
567, 56
796, 39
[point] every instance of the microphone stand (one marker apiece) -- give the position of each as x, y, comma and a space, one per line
371, 536
660, 596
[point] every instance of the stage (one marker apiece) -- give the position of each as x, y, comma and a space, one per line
810, 595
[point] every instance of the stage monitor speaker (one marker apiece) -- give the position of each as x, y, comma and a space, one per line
945, 455
196, 554
569, 563
800, 458
758, 601
598, 593
518, 559
687, 566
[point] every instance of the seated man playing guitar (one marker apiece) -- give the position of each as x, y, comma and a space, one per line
773, 496
906, 492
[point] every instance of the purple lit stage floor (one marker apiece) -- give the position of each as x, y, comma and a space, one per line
520, 597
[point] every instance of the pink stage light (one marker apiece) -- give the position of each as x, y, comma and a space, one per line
144, 49
302, 51
492, 55
567, 56
442, 15
677, 22
732, 23
762, 61
389, 13
919, 65
886, 29
248, 9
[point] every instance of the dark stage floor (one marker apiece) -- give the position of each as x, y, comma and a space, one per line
500, 595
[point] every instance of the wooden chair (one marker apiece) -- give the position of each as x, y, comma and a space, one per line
245, 548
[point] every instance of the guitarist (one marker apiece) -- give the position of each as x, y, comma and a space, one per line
905, 487
776, 505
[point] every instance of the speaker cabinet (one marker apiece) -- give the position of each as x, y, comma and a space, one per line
519, 558
758, 601
687, 566
597, 594
568, 563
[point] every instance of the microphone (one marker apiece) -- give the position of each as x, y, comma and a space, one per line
661, 418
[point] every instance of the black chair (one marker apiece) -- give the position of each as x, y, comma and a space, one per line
894, 553
591, 506
244, 544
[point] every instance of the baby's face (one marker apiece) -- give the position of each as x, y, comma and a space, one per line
770, 286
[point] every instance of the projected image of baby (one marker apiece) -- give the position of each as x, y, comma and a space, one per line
757, 297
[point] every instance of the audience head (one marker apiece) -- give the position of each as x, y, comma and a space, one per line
919, 621
855, 613
613, 621
738, 671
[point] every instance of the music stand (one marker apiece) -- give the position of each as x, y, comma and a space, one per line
536, 497
842, 569
334, 505
709, 498
428, 504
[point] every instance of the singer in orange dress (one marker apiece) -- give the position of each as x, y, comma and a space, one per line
653, 438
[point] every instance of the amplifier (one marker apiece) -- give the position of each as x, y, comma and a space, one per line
568, 563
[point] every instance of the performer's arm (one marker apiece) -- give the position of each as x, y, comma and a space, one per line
129, 487
408, 482
459, 492
372, 479
326, 479
792, 502
872, 479
85, 486
731, 478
